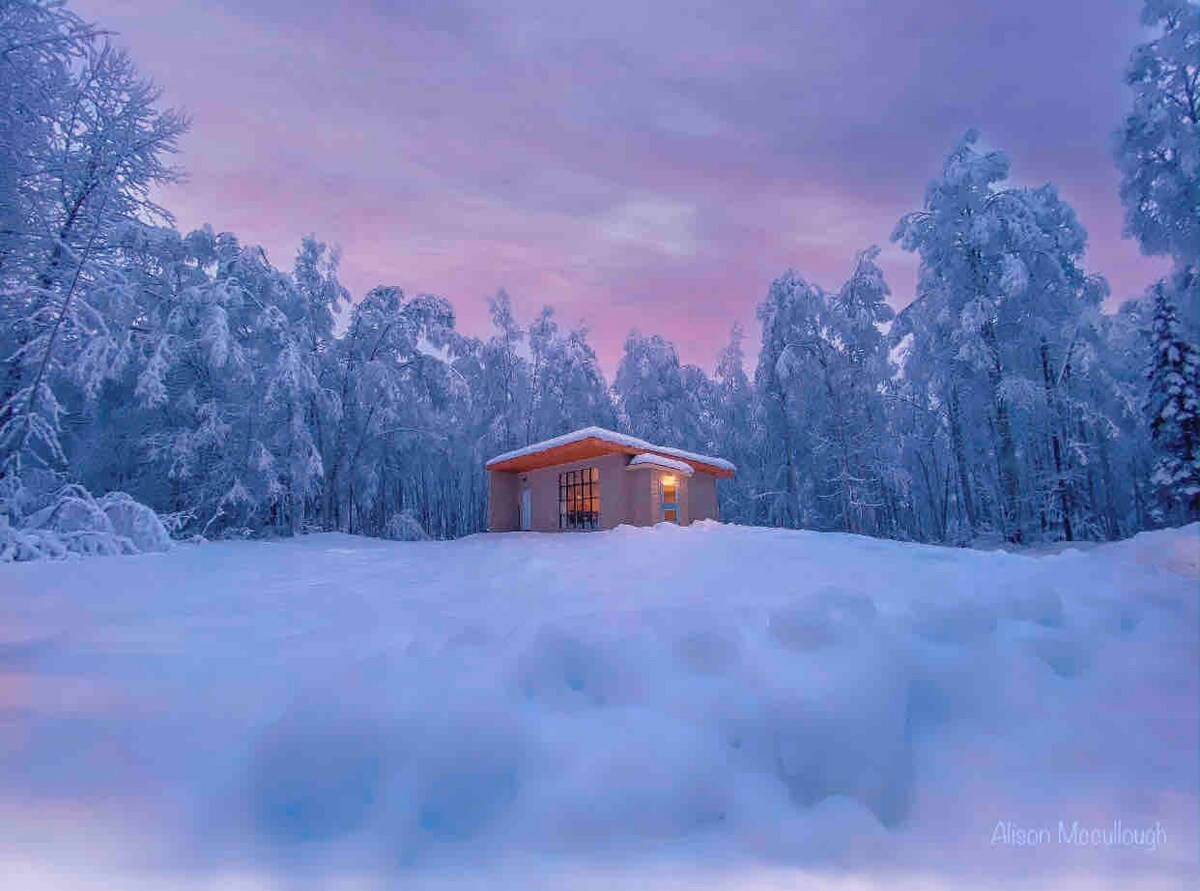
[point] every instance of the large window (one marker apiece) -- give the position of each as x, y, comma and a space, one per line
579, 499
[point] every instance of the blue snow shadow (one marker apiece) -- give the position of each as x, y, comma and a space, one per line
315, 777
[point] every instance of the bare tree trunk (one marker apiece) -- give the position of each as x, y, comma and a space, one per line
937, 513
960, 462
1006, 451
1060, 482
792, 478
844, 475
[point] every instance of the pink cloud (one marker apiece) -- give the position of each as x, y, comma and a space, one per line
630, 163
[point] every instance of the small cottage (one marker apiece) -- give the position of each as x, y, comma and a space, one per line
597, 479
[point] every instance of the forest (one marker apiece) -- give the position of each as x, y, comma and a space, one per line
155, 382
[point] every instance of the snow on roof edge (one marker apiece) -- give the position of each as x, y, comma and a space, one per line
649, 459
609, 436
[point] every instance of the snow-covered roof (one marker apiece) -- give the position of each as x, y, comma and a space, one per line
649, 459
611, 436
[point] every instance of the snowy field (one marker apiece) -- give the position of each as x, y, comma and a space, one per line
712, 707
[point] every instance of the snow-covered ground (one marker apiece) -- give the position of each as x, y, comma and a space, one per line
712, 707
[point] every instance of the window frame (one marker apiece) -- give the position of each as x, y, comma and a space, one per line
579, 499
671, 506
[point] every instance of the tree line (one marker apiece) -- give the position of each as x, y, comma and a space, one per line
236, 398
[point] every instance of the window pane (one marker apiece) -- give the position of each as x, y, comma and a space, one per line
579, 499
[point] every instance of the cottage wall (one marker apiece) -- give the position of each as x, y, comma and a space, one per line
543, 487
626, 496
643, 497
504, 511
702, 498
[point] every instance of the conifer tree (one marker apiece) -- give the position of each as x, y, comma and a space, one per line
1174, 403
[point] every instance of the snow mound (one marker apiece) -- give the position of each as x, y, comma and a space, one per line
53, 521
648, 459
404, 526
135, 522
334, 707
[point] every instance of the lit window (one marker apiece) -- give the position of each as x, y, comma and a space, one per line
579, 499
670, 499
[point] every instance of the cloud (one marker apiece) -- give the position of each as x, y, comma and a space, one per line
663, 224
675, 156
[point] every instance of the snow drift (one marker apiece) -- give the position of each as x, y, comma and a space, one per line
43, 518
711, 706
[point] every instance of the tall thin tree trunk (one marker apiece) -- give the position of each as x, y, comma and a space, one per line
1006, 450
960, 462
844, 475
1060, 481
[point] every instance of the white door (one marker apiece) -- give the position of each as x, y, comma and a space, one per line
526, 510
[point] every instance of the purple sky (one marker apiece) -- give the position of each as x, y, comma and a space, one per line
632, 162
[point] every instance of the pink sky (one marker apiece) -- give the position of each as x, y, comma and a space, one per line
630, 163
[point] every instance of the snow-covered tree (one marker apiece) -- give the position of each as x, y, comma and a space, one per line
1158, 143
735, 430
390, 384
1001, 302
790, 315
1157, 149
1174, 400
82, 143
568, 390
653, 395
507, 384
821, 371
105, 148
